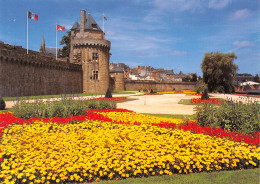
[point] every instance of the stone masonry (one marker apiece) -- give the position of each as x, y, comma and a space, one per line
89, 48
36, 74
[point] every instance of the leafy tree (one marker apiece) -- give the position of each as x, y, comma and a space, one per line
66, 40
194, 78
256, 78
219, 71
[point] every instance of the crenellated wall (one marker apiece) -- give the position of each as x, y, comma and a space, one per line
36, 74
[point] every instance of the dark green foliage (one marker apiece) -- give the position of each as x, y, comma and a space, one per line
237, 117
66, 40
194, 78
256, 78
108, 93
62, 108
145, 90
2, 103
152, 91
219, 71
198, 91
205, 95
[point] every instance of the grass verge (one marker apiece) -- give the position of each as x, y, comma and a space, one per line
185, 102
248, 176
177, 116
63, 95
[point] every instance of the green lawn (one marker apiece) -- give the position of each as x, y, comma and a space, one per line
177, 116
249, 176
63, 95
185, 102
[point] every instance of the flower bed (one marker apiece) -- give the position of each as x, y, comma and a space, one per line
211, 100
197, 94
45, 152
110, 99
151, 94
126, 117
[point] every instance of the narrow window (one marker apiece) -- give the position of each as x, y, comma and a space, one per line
95, 75
94, 56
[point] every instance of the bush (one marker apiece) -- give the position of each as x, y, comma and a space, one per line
237, 117
62, 108
108, 93
2, 103
205, 95
145, 90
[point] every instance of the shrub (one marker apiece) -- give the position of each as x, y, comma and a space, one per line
2, 103
145, 90
205, 95
62, 108
238, 117
108, 93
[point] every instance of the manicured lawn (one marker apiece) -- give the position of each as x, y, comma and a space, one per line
63, 95
249, 176
177, 116
185, 102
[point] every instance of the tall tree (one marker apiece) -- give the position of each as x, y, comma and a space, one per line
256, 78
219, 71
66, 40
194, 78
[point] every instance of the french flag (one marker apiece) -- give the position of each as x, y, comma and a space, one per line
32, 16
60, 28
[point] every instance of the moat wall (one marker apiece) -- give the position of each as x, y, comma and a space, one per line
24, 74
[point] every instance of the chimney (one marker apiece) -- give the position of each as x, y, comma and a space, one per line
82, 20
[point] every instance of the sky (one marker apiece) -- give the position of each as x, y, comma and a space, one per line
170, 34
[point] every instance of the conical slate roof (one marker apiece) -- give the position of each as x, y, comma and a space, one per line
75, 26
90, 24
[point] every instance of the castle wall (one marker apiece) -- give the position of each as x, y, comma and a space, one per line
162, 86
36, 74
117, 82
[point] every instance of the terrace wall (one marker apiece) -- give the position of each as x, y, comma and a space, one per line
23, 74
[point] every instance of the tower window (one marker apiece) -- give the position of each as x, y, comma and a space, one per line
94, 26
94, 56
95, 75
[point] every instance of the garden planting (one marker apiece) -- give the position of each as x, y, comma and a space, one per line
113, 144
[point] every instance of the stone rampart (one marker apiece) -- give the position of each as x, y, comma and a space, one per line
131, 85
23, 74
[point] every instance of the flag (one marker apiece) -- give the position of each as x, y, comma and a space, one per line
104, 17
33, 16
60, 28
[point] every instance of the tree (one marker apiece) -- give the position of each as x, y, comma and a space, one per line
66, 40
219, 71
194, 78
256, 78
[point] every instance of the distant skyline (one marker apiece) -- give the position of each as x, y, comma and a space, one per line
170, 34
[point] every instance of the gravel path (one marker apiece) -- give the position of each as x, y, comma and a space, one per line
162, 104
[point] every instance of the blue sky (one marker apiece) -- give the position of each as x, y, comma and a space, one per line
170, 34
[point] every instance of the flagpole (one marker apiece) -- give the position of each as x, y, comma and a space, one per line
27, 31
103, 27
56, 43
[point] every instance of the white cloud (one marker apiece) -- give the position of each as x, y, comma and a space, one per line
241, 14
240, 44
180, 5
218, 4
178, 53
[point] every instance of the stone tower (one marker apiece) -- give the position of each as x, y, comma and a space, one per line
89, 48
